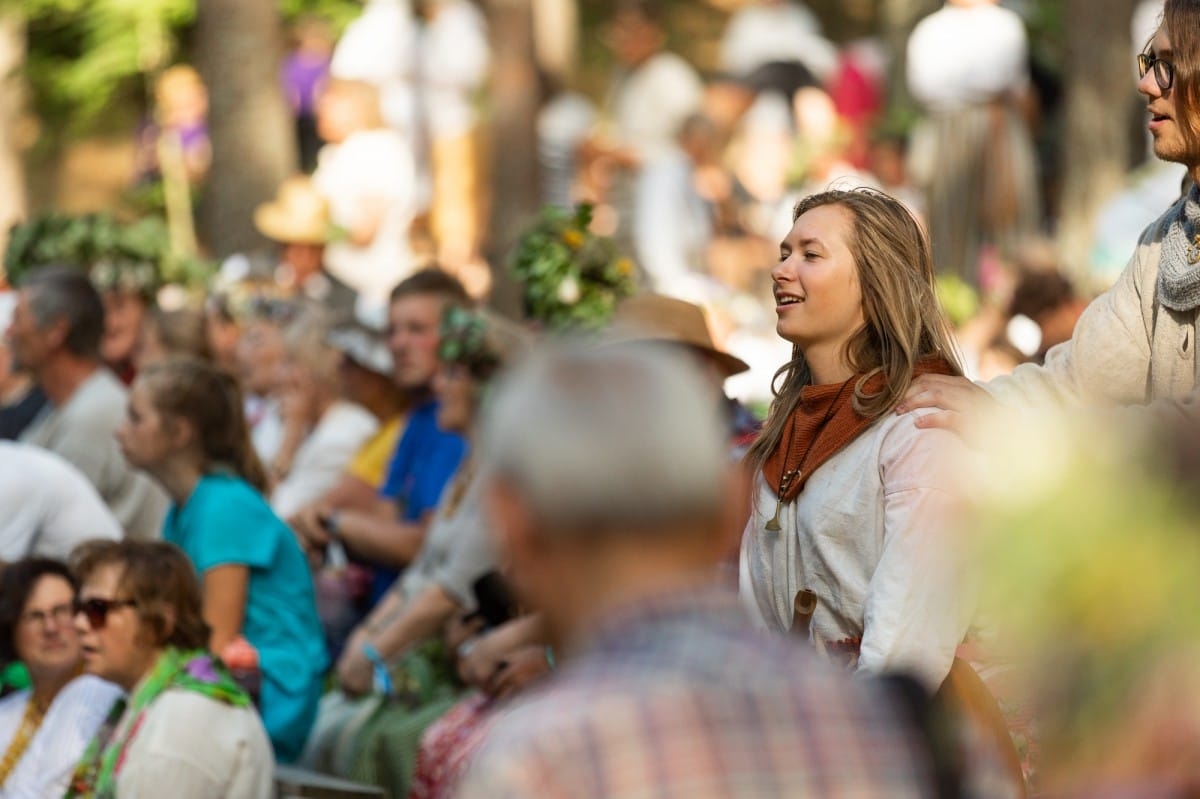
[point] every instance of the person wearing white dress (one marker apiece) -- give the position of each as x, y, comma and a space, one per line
44, 728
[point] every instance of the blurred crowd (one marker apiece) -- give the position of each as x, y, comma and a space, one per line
843, 484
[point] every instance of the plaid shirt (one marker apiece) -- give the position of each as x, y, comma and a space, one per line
678, 697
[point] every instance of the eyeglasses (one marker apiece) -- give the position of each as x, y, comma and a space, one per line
62, 614
1164, 71
96, 610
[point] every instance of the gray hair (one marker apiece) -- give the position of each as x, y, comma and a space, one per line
306, 342
608, 438
64, 292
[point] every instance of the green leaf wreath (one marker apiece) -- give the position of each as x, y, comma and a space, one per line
571, 278
134, 257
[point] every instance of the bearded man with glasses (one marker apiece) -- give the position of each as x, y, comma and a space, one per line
1136, 343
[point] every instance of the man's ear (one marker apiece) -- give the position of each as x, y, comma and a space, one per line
56, 332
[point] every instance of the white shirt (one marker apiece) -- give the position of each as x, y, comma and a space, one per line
320, 460
47, 506
266, 426
454, 62
200, 748
873, 535
652, 101
672, 228
562, 125
965, 56
72, 719
369, 166
82, 430
379, 47
760, 34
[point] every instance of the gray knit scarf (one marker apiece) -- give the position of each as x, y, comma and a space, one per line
1179, 266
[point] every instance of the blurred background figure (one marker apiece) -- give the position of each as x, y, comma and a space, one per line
297, 219
20, 398
259, 359
180, 128
1048, 297
766, 32
403, 635
380, 47
305, 70
968, 66
45, 729
47, 506
323, 427
56, 333
366, 174
166, 334
654, 91
455, 56
184, 721
674, 222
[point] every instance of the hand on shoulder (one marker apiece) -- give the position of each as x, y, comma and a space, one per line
958, 403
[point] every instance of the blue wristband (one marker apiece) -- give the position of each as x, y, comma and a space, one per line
382, 677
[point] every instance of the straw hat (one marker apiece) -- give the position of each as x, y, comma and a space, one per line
297, 215
654, 317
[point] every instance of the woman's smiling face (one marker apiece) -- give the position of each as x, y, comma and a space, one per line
818, 297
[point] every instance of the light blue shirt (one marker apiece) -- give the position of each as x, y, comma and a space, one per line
226, 522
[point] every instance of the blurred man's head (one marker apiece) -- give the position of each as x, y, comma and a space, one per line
58, 314
260, 352
1049, 299
607, 476
298, 219
347, 107
637, 31
414, 319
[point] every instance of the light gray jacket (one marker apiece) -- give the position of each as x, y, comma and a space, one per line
1128, 349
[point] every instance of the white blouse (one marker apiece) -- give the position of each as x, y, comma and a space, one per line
201, 748
873, 535
72, 719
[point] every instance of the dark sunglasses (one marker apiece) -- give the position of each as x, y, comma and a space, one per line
96, 610
1164, 71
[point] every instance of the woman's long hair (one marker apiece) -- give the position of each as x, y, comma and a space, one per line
1181, 18
209, 399
903, 322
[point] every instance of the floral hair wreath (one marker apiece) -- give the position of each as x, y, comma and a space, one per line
462, 340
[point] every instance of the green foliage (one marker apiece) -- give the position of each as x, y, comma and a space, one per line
571, 278
339, 12
959, 300
1089, 560
84, 53
134, 257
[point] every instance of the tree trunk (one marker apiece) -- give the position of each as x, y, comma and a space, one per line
12, 117
515, 101
897, 18
1098, 86
238, 47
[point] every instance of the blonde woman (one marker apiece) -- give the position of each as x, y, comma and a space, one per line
850, 536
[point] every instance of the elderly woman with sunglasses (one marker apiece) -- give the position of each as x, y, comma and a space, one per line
44, 729
185, 728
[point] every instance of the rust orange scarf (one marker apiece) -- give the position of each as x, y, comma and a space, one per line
823, 424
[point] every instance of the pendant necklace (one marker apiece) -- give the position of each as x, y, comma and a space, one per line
790, 475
